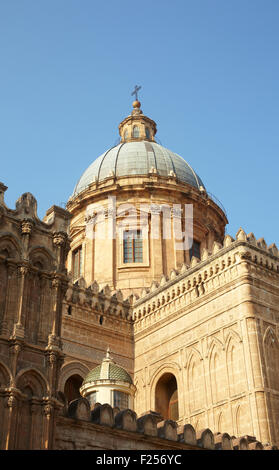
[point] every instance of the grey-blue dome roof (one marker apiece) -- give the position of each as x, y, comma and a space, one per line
138, 158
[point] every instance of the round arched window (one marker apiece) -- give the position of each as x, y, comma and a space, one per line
126, 134
147, 133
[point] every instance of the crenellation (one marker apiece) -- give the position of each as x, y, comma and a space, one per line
241, 235
214, 273
261, 243
105, 422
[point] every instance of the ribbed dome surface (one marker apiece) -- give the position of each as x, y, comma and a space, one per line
109, 371
137, 158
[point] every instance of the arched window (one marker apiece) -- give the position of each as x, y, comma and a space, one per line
135, 131
147, 133
126, 134
72, 386
166, 397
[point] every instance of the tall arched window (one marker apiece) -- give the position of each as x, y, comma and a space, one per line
135, 131
126, 134
147, 133
166, 397
72, 386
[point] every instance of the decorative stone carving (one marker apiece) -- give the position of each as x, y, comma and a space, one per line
23, 270
48, 410
59, 238
11, 402
27, 226
27, 204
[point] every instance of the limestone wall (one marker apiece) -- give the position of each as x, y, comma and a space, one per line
93, 320
214, 327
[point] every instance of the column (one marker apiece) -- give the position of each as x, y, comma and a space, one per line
5, 321
259, 408
11, 422
18, 331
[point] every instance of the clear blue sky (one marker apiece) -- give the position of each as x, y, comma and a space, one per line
209, 76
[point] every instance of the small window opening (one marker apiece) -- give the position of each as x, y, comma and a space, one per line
77, 262
133, 247
136, 131
195, 250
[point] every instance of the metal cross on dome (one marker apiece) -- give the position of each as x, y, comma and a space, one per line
135, 92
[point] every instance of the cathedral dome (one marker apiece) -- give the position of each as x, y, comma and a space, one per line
138, 158
138, 154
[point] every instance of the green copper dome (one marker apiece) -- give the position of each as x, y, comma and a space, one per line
108, 370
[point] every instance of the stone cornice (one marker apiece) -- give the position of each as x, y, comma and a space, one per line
112, 185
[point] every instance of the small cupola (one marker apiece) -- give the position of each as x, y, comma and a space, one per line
109, 383
137, 127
